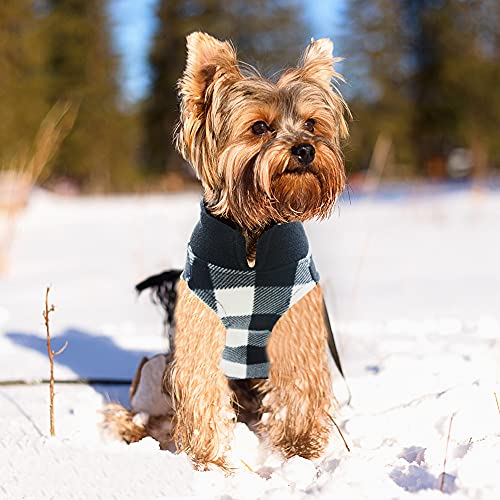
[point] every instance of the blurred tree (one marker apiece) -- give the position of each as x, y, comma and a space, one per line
378, 59
266, 31
99, 153
457, 68
427, 67
22, 104
468, 34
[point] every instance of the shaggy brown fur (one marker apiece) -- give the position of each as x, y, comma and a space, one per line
151, 413
129, 427
299, 397
238, 130
250, 179
199, 389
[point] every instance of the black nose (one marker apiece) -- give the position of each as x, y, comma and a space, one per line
304, 152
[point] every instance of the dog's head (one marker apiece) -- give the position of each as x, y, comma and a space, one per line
264, 151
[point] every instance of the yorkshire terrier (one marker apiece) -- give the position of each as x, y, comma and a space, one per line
250, 319
268, 155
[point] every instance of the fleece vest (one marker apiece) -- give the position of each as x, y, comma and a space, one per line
248, 300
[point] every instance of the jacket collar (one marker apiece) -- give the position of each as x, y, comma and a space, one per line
217, 242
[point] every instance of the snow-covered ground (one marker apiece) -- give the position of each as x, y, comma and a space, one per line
412, 280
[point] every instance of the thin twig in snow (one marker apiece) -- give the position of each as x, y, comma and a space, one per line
340, 432
51, 354
446, 455
246, 465
496, 399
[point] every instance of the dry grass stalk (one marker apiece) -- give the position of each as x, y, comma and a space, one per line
443, 474
341, 434
246, 465
30, 163
51, 354
28, 166
498, 404
378, 163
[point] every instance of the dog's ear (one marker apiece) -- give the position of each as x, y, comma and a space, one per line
317, 62
208, 60
210, 65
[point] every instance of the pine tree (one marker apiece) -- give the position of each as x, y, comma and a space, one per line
81, 66
470, 75
378, 50
166, 59
22, 103
428, 70
266, 32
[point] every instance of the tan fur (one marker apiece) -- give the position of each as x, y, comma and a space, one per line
299, 394
131, 427
297, 398
118, 421
199, 389
247, 400
150, 411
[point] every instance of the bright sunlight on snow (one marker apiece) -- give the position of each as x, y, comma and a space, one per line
412, 280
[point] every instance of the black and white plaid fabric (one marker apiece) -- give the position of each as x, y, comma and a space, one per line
249, 301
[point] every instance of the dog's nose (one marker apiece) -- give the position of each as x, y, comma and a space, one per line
304, 152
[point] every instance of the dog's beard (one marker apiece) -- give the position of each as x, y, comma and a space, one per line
269, 185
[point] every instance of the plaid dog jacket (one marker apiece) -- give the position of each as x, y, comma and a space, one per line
248, 300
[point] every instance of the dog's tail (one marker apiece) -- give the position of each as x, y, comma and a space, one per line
163, 292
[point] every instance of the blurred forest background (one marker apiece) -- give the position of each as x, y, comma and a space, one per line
424, 80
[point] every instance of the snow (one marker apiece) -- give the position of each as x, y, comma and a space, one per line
412, 281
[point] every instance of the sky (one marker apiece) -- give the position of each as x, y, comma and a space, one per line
133, 25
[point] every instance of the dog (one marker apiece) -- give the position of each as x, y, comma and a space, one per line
249, 311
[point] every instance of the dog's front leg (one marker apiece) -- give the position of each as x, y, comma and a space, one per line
299, 391
204, 417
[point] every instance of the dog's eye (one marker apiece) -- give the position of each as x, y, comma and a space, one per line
260, 128
309, 124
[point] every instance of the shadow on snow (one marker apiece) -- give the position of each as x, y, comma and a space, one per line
90, 357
